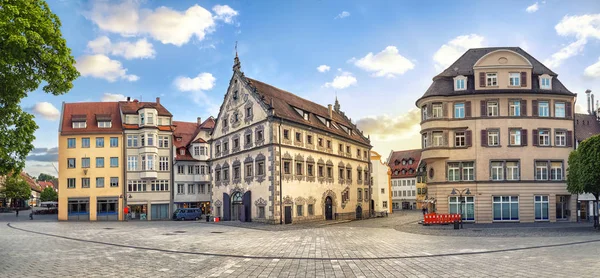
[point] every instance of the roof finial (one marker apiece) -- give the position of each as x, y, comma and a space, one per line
236, 60
336, 107
236, 49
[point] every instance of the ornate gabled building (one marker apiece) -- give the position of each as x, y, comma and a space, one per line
403, 165
497, 130
191, 171
279, 158
147, 133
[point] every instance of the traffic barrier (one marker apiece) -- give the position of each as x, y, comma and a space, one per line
434, 218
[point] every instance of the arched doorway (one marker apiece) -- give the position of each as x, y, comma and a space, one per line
358, 212
328, 208
237, 208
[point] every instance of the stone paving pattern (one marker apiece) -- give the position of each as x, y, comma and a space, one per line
379, 247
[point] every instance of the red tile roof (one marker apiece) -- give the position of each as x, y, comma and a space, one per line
208, 123
160, 127
131, 107
396, 163
31, 182
183, 134
284, 102
90, 111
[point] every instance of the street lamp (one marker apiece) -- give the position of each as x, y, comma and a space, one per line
466, 192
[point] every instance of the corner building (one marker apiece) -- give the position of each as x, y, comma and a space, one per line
498, 123
90, 152
278, 158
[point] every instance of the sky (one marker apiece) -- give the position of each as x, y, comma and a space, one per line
377, 57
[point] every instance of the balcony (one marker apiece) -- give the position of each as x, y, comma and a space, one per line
148, 174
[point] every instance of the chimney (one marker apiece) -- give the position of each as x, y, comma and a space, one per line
158, 100
128, 99
199, 120
589, 107
593, 106
330, 110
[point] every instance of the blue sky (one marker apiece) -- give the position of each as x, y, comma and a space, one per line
378, 57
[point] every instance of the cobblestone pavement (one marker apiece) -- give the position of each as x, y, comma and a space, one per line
368, 248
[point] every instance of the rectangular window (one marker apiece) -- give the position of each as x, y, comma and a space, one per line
512, 170
311, 210
132, 163
71, 163
424, 140
71, 143
190, 169
150, 139
309, 139
541, 170
329, 144
543, 109
202, 170
163, 141
286, 168
321, 173
248, 170
541, 207
85, 162
99, 182
491, 79
180, 188
218, 175
286, 134
424, 113
163, 163
114, 142
132, 141
347, 149
225, 146
556, 171
438, 138
341, 173
114, 162
492, 108
201, 189
261, 168
99, 162
515, 137
506, 208
114, 182
85, 182
330, 172
514, 79
190, 189
544, 137
468, 171
460, 84
545, 83
309, 170
497, 171
349, 174
259, 135
236, 173
298, 137
459, 110
493, 138
299, 210
150, 160
437, 110
79, 125
150, 118
197, 149
247, 139
514, 108
460, 139
85, 142
99, 142
454, 171
559, 109
70, 183
560, 138
180, 169
384, 204
236, 144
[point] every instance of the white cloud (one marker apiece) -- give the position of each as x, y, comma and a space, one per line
323, 68
386, 63
533, 8
451, 51
108, 97
163, 24
387, 127
342, 81
140, 49
582, 28
224, 13
46, 110
197, 86
100, 66
342, 15
593, 70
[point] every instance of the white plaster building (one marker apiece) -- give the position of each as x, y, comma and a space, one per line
278, 158
148, 156
191, 175
403, 165
381, 186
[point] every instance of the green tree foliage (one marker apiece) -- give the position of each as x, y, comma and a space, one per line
32, 51
16, 188
48, 195
45, 177
583, 175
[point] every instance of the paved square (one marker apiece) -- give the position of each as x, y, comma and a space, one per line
369, 248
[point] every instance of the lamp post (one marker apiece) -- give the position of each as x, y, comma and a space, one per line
466, 192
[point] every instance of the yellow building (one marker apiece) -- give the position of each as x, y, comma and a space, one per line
90, 153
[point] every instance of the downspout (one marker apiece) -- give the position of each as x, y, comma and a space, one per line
280, 175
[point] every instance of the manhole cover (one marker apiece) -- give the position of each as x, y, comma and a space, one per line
179, 232
216, 232
109, 228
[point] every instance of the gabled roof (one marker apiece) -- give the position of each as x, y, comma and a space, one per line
208, 123
31, 182
183, 135
443, 83
131, 107
284, 102
586, 126
396, 166
90, 112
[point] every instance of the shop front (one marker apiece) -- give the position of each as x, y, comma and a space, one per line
107, 208
138, 212
203, 206
79, 209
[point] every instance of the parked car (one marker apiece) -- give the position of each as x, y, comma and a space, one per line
187, 214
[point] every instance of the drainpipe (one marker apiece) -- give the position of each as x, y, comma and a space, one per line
280, 176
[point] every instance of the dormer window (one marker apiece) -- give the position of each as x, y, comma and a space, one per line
410, 161
182, 151
328, 123
492, 79
514, 79
104, 124
460, 83
403, 162
397, 162
79, 125
305, 116
545, 82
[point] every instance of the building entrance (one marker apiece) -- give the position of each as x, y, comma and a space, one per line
328, 208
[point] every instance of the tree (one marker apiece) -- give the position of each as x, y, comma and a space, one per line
48, 195
583, 175
15, 188
32, 50
45, 177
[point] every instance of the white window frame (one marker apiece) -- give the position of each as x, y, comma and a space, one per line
460, 139
460, 83
543, 137
545, 82
132, 163
437, 110
556, 171
454, 204
503, 201
491, 79
79, 124
180, 188
492, 108
514, 79
493, 138
541, 170
560, 138
514, 108
459, 110
424, 112
438, 138
512, 170
559, 110
163, 164
453, 171
539, 201
545, 108
497, 170
424, 140
104, 124
468, 171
